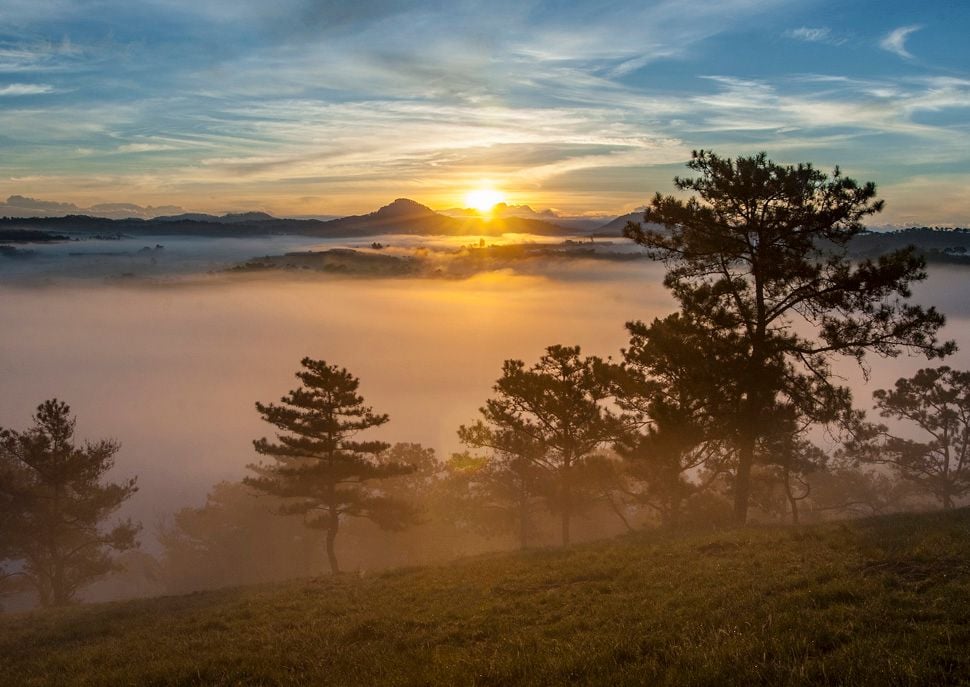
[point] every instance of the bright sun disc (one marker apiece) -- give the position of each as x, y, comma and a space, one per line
483, 199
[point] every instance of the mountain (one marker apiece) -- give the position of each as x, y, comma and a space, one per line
582, 225
403, 216
22, 206
615, 226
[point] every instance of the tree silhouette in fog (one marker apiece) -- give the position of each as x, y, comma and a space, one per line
320, 469
557, 407
501, 488
935, 402
759, 256
678, 391
785, 461
230, 541
54, 501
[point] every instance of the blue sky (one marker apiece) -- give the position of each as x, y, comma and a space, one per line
326, 107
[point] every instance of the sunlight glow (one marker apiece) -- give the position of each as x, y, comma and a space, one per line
484, 199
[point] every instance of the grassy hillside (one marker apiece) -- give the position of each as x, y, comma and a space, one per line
877, 602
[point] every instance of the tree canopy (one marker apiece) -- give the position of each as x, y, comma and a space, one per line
757, 258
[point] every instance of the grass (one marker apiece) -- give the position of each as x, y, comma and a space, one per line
881, 602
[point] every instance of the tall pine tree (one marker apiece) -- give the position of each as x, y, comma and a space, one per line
320, 469
759, 257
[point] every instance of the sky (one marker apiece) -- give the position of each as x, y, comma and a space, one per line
303, 107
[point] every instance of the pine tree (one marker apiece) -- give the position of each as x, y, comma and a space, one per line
503, 485
54, 500
675, 389
320, 469
556, 406
760, 256
936, 457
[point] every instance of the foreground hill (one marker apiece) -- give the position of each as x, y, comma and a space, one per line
877, 602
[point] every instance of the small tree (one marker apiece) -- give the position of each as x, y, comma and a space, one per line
673, 387
507, 481
54, 502
230, 541
936, 402
786, 460
320, 469
759, 256
557, 407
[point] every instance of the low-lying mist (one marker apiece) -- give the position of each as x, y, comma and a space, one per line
172, 371
172, 368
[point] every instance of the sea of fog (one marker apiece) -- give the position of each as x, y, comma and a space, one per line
171, 365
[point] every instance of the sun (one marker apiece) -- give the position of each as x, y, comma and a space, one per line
484, 199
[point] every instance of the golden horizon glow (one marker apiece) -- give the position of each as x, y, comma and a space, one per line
484, 199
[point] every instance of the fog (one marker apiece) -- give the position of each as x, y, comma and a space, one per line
172, 366
172, 369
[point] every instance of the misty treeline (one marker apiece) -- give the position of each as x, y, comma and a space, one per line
723, 412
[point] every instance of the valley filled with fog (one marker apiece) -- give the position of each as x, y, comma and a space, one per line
171, 360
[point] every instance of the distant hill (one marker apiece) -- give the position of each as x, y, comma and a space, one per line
401, 216
580, 225
875, 602
230, 218
615, 227
937, 245
409, 217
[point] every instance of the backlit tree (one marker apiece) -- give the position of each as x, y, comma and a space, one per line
54, 500
759, 255
320, 468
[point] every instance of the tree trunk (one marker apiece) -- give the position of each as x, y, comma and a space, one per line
742, 481
789, 494
58, 595
331, 536
524, 521
947, 501
566, 507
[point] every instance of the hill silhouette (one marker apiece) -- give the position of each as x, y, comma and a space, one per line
401, 216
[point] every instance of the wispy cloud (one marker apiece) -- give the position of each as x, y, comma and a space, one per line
819, 34
16, 89
895, 40
144, 147
581, 105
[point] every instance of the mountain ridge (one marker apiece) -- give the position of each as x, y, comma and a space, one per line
402, 215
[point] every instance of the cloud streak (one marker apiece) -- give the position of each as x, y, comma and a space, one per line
18, 89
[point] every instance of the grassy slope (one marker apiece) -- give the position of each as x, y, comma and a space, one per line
879, 602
